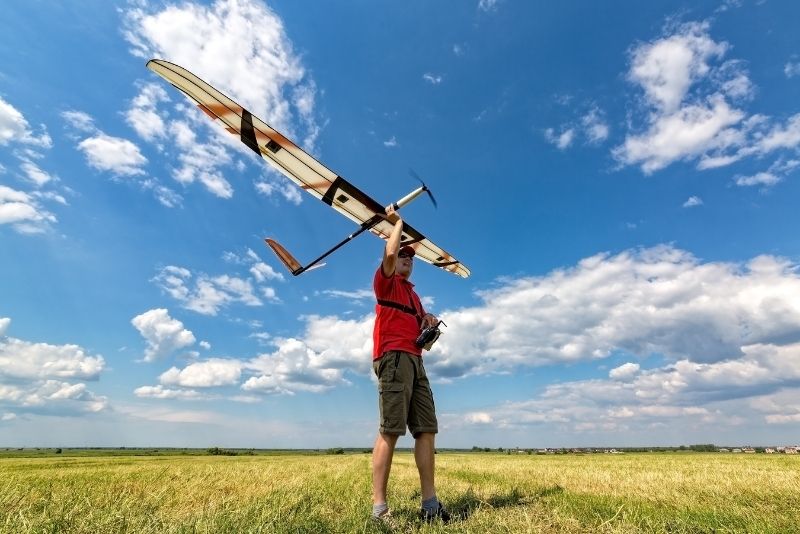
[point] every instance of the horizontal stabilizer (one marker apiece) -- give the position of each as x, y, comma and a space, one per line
288, 260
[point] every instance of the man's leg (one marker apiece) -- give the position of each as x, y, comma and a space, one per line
382, 454
424, 448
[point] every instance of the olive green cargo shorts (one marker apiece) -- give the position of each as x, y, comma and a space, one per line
404, 394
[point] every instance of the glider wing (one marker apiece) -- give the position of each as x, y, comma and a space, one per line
297, 165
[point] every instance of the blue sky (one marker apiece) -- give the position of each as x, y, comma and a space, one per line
621, 180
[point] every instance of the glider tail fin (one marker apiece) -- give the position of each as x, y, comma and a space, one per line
288, 260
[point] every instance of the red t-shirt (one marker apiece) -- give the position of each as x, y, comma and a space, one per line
395, 329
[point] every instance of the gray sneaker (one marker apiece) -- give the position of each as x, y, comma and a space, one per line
430, 516
383, 517
385, 521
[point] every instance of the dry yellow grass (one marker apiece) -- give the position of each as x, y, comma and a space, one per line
331, 493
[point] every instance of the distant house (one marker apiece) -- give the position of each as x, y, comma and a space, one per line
790, 450
737, 450
768, 450
724, 450
749, 450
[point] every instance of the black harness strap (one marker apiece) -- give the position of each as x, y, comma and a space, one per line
411, 310
398, 306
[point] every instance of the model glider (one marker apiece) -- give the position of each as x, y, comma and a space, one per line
306, 172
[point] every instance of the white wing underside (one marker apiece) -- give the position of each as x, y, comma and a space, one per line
297, 165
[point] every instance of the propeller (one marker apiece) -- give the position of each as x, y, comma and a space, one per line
424, 187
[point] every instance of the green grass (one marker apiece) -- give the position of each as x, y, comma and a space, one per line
285, 492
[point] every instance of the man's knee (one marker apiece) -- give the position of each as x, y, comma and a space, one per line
386, 441
389, 438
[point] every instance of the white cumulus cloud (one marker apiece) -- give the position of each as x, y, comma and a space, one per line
118, 156
761, 384
163, 334
259, 69
21, 359
667, 67
263, 272
761, 178
693, 201
481, 418
691, 98
20, 209
200, 161
142, 115
780, 136
316, 362
113, 154
208, 373
15, 128
792, 69
80, 121
56, 396
205, 294
687, 133
160, 392
35, 174
624, 371
23, 212
562, 140
708, 318
594, 125
38, 377
660, 300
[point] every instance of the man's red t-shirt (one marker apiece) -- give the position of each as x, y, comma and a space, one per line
395, 329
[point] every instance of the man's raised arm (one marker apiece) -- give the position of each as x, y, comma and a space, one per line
393, 243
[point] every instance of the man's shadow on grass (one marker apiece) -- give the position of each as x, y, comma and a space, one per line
465, 505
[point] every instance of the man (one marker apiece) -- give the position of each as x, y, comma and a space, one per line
405, 397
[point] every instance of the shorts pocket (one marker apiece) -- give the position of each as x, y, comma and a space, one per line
394, 387
393, 408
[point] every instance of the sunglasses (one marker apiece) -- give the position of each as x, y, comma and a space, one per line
405, 255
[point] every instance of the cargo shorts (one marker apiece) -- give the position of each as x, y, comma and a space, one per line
404, 394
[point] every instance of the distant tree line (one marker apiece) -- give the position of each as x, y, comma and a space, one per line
704, 447
216, 451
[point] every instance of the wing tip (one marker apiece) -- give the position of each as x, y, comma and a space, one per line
154, 62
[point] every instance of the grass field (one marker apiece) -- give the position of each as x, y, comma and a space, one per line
491, 492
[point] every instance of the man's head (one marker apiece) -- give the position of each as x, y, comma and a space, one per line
405, 262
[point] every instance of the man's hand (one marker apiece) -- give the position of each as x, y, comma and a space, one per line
429, 320
391, 214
